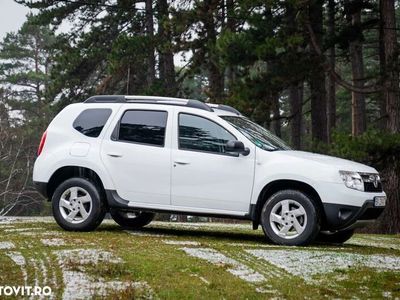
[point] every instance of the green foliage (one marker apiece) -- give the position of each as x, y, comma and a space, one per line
375, 148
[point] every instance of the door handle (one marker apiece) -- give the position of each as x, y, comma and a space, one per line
114, 154
181, 162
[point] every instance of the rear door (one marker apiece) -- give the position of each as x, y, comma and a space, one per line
137, 153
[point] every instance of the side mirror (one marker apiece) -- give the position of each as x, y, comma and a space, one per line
237, 147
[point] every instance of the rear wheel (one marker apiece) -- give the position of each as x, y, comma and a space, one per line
338, 237
77, 205
289, 217
132, 220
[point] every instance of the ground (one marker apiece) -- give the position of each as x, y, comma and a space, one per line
192, 261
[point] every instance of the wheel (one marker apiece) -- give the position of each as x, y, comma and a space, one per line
77, 205
132, 220
290, 217
338, 237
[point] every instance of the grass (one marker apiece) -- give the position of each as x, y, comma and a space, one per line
143, 265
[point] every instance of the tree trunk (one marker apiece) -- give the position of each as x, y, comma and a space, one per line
166, 55
358, 113
216, 80
391, 217
331, 92
216, 75
276, 114
317, 79
382, 100
231, 26
391, 76
151, 60
296, 105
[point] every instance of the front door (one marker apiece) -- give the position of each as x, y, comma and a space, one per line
204, 175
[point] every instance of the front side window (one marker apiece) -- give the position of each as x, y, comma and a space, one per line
200, 134
90, 122
143, 126
258, 135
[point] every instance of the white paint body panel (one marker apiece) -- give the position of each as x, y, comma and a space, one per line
142, 173
211, 183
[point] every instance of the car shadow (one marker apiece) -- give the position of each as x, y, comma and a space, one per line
219, 234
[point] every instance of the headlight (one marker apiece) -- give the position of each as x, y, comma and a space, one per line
352, 180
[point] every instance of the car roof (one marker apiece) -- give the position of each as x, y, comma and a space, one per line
219, 109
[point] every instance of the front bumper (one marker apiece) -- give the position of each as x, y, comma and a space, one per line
340, 217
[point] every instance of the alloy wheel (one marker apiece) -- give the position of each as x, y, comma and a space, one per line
288, 219
75, 205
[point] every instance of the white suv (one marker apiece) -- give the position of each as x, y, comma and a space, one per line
136, 155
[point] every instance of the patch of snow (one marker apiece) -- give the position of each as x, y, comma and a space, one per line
236, 268
40, 266
53, 242
20, 261
262, 290
53, 279
145, 233
181, 243
6, 220
79, 285
306, 264
260, 245
45, 233
6, 225
6, 245
23, 229
201, 278
387, 295
34, 264
253, 245
12, 220
87, 256
17, 258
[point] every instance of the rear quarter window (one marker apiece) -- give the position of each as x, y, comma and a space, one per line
91, 121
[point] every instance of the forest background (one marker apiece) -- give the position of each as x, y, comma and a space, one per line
321, 74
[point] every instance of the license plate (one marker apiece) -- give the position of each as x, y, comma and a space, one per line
380, 201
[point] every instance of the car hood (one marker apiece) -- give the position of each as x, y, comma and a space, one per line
335, 162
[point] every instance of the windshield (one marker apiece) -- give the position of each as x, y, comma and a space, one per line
258, 135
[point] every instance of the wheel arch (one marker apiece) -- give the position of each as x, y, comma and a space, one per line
284, 184
66, 172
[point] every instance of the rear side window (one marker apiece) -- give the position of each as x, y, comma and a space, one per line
90, 122
143, 126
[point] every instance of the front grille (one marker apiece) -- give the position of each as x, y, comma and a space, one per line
369, 187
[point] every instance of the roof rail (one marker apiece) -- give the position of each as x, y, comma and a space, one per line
148, 100
225, 108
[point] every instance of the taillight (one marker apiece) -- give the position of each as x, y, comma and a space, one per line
42, 141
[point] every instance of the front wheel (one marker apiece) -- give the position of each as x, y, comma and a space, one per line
289, 217
132, 220
77, 205
338, 237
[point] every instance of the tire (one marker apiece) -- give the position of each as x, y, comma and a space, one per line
70, 199
290, 218
338, 237
132, 220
